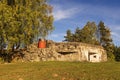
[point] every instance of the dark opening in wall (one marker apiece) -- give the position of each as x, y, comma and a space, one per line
91, 53
94, 56
65, 52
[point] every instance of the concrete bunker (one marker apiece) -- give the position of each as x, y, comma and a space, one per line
66, 51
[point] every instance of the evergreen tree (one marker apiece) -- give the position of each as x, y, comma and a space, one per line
69, 36
77, 36
117, 53
87, 34
106, 40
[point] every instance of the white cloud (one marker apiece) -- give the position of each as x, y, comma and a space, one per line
113, 26
117, 28
56, 37
116, 36
60, 14
82, 12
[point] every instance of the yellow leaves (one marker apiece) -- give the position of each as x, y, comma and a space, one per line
25, 20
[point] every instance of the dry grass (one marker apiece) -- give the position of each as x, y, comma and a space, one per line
60, 71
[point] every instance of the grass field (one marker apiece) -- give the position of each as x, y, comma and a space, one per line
60, 71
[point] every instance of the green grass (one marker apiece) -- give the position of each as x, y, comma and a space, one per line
60, 71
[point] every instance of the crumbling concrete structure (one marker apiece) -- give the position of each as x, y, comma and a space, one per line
65, 51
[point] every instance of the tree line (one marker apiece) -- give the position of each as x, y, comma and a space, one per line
21, 21
96, 35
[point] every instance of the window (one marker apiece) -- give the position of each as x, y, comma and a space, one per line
94, 56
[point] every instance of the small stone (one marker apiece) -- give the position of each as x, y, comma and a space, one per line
20, 79
55, 75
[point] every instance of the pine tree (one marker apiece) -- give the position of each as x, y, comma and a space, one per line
117, 53
69, 36
87, 34
106, 40
76, 36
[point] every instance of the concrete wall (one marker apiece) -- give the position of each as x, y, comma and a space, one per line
65, 51
81, 51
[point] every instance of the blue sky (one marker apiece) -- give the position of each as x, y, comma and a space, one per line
69, 14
